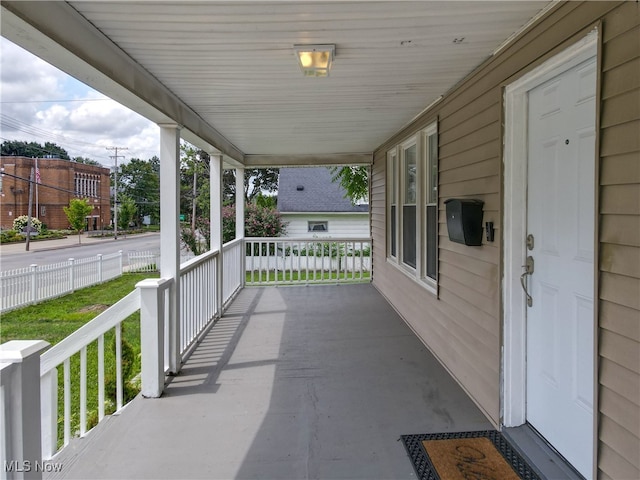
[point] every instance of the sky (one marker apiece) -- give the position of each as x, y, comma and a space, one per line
40, 103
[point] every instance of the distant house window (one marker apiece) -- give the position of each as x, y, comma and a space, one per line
318, 226
43, 210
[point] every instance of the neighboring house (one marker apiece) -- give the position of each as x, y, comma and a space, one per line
315, 206
57, 182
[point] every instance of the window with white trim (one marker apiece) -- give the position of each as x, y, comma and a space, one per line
318, 226
430, 250
409, 195
412, 205
392, 230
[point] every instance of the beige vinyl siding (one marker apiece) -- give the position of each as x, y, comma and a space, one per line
619, 319
462, 325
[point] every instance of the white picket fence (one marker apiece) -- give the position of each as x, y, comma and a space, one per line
33, 284
26, 286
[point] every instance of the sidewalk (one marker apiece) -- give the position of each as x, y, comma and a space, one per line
70, 241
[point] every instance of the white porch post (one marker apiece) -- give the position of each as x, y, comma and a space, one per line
215, 185
152, 327
170, 234
240, 220
20, 439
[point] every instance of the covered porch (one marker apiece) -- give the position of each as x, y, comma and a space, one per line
320, 382
292, 382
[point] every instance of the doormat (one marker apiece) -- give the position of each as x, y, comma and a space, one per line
481, 455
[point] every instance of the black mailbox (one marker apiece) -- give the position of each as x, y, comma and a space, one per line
464, 221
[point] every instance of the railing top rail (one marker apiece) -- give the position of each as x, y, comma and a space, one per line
232, 243
89, 332
200, 259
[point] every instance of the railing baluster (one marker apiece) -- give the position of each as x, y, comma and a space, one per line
118, 366
311, 264
276, 263
100, 378
83, 391
67, 401
259, 258
346, 249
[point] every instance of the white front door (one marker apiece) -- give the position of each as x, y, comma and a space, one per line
560, 219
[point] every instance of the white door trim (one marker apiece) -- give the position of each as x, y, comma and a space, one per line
513, 401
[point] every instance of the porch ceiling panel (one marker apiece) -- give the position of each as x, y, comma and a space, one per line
232, 63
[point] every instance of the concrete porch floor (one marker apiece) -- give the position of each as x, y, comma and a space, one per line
292, 383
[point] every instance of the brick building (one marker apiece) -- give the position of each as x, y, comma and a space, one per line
60, 181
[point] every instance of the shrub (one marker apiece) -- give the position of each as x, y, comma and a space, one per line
9, 236
20, 223
228, 223
263, 222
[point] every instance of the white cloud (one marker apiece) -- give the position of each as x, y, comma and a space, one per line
42, 104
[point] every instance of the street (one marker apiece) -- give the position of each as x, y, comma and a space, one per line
52, 251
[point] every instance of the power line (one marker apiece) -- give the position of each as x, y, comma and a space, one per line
12, 122
61, 101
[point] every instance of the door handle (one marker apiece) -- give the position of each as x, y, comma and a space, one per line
529, 268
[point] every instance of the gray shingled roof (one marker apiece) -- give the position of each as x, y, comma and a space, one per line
318, 193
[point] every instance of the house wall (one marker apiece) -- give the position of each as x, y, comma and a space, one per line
462, 324
343, 225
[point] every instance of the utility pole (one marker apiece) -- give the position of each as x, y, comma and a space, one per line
115, 190
29, 209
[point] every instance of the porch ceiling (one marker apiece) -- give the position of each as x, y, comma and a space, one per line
226, 71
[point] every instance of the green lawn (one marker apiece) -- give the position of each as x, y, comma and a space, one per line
53, 320
304, 276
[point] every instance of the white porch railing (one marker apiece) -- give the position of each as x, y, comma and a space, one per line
26, 286
62, 354
198, 301
233, 259
282, 261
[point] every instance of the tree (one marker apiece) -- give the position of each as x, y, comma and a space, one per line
86, 161
354, 179
76, 213
127, 211
140, 180
266, 201
256, 181
194, 168
32, 149
198, 239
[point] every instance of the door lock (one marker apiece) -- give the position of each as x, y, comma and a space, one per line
529, 267
530, 242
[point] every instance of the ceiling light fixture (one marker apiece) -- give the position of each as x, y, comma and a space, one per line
315, 60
